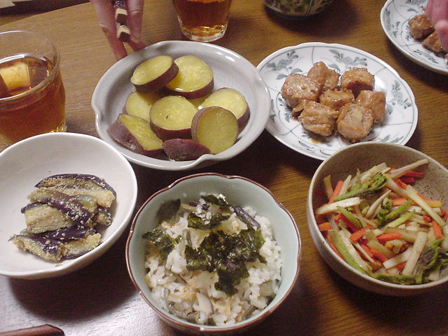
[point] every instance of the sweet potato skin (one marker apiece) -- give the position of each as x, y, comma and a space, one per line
184, 149
119, 133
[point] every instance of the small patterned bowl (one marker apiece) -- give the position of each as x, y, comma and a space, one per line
298, 8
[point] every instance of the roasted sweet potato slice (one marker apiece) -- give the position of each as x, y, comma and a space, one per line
231, 100
184, 149
135, 134
154, 73
216, 128
171, 117
194, 79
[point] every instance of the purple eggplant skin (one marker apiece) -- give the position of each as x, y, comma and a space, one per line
245, 217
75, 181
68, 205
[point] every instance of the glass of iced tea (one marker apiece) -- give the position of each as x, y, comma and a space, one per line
203, 20
32, 95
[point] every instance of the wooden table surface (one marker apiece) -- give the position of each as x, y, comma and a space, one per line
101, 300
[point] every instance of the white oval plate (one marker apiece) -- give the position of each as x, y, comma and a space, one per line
395, 16
401, 116
229, 70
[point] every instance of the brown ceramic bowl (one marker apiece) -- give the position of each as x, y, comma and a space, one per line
364, 156
238, 191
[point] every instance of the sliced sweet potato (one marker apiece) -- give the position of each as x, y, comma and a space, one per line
194, 79
184, 149
231, 100
135, 134
154, 73
216, 128
171, 117
139, 104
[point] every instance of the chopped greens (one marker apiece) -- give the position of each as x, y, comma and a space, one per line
167, 210
227, 254
197, 222
162, 242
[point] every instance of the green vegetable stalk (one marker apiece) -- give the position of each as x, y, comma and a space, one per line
377, 182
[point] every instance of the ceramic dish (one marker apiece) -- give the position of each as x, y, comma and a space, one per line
229, 69
363, 156
395, 17
238, 191
26, 163
401, 116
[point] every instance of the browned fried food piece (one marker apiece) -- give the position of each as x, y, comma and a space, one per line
323, 75
420, 26
432, 42
336, 99
357, 79
318, 118
354, 121
298, 87
375, 101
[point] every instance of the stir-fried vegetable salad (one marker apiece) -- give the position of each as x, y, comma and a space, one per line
383, 227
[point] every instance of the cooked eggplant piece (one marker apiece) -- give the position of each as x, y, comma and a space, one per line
68, 205
82, 181
53, 249
103, 197
103, 217
245, 217
64, 216
41, 217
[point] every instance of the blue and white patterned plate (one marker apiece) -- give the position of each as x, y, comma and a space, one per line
402, 113
395, 16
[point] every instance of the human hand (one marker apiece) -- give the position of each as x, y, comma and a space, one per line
106, 17
437, 12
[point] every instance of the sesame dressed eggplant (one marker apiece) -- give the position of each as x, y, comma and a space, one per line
79, 181
64, 216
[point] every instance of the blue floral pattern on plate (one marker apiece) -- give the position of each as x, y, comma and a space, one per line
395, 17
402, 113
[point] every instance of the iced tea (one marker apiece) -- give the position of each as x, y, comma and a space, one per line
32, 95
203, 20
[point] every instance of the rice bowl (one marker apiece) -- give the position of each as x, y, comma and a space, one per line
269, 279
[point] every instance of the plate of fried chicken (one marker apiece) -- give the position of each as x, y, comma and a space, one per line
328, 96
408, 28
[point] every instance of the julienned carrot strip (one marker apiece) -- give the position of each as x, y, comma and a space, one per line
413, 173
437, 231
444, 215
381, 257
401, 184
355, 236
324, 226
399, 201
401, 265
367, 249
336, 191
427, 218
385, 237
407, 180
348, 223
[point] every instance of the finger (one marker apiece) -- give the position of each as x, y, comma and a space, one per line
442, 30
106, 18
136, 46
438, 10
135, 16
428, 10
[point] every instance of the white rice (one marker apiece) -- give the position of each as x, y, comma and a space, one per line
192, 294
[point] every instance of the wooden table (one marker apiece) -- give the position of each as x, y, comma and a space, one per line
101, 300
